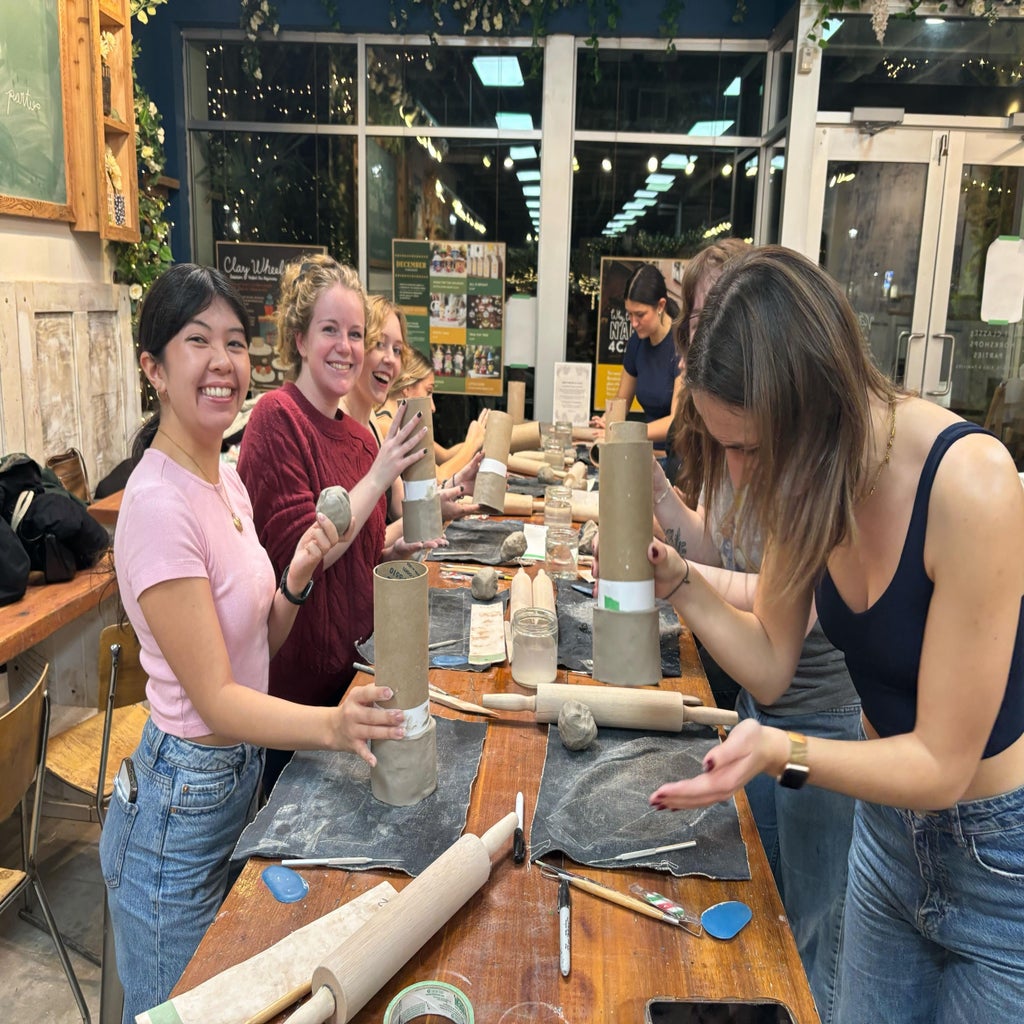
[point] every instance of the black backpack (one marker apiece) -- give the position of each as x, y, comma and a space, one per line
14, 565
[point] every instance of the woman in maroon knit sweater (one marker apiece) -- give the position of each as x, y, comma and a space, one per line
298, 442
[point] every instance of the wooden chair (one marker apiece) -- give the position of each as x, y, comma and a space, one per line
86, 757
23, 730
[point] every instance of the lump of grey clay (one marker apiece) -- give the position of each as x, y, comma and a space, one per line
587, 535
485, 584
513, 546
546, 475
334, 503
576, 725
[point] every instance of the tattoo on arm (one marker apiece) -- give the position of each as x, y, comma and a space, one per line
675, 538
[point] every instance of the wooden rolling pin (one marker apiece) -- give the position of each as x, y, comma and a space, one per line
618, 707
350, 976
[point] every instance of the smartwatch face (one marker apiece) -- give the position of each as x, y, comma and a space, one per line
794, 776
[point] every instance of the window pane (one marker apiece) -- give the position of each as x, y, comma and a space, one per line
657, 91
303, 83
457, 87
955, 67
275, 187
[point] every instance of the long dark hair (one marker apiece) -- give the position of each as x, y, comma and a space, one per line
646, 285
778, 340
174, 298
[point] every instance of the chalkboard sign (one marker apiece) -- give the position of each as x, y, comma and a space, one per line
33, 163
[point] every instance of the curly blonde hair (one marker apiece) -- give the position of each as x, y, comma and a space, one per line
303, 282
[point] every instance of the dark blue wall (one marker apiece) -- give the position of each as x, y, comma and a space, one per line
159, 66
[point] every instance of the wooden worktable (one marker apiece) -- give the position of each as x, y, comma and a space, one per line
501, 948
47, 607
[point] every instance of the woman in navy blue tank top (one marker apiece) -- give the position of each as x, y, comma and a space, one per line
908, 523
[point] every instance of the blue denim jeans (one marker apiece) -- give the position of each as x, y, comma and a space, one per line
934, 927
165, 856
806, 836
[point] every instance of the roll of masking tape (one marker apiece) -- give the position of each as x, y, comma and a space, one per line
426, 997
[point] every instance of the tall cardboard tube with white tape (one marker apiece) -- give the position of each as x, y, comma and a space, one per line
627, 649
349, 977
421, 506
406, 769
491, 477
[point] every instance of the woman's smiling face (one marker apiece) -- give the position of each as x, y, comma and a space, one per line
383, 362
332, 346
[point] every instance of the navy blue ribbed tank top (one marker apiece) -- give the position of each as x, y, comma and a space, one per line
883, 643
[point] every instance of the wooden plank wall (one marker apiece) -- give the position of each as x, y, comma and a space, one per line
68, 375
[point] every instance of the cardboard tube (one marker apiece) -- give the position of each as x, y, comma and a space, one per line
516, 403
357, 969
525, 437
406, 769
517, 504
421, 506
490, 478
626, 505
422, 469
626, 430
614, 412
614, 707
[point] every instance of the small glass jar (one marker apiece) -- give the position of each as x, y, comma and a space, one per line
561, 549
563, 434
554, 453
557, 506
534, 646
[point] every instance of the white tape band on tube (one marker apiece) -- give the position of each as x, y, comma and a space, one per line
493, 466
625, 596
430, 997
420, 490
417, 720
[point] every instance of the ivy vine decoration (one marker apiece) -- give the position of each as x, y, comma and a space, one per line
256, 17
880, 13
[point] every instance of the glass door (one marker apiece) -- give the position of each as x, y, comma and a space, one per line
908, 216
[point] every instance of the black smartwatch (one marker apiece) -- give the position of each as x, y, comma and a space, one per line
796, 771
288, 595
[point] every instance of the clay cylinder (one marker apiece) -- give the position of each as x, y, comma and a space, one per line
357, 969
406, 769
626, 430
516, 405
491, 476
421, 505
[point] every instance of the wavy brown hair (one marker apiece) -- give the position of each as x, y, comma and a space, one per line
415, 367
688, 437
302, 283
778, 340
378, 309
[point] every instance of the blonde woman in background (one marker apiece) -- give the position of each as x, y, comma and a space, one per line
298, 442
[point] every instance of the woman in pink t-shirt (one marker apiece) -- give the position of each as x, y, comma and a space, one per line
209, 612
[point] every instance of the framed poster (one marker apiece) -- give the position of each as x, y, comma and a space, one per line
33, 86
453, 296
255, 269
613, 326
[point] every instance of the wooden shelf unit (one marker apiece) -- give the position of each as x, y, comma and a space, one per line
115, 132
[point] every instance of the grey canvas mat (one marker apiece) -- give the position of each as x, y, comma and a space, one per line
593, 805
322, 807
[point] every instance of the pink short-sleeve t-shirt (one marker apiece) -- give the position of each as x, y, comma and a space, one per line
174, 525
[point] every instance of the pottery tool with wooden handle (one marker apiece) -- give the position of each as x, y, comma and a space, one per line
617, 707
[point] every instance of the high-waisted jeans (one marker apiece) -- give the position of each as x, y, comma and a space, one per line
934, 926
806, 835
165, 856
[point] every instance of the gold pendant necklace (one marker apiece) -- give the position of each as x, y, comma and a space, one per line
888, 447
220, 494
